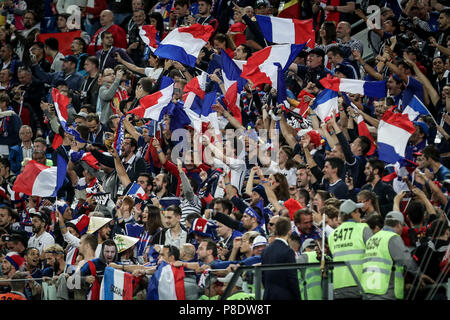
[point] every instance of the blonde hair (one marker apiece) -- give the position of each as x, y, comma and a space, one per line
54, 248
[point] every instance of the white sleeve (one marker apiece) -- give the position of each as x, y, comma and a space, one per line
71, 239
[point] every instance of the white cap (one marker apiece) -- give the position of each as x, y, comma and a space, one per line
259, 241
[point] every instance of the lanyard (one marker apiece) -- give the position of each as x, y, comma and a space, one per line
90, 84
106, 58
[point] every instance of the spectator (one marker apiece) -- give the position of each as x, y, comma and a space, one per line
106, 56
10, 124
280, 285
107, 24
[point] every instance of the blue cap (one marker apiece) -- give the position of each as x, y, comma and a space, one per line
423, 126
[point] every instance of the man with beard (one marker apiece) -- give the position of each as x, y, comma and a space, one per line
26, 37
95, 267
386, 194
133, 164
54, 257
100, 227
41, 239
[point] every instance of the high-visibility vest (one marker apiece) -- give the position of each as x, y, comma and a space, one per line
241, 296
310, 279
346, 244
378, 266
205, 297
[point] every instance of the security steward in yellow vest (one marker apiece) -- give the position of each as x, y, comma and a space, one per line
236, 292
348, 243
309, 279
385, 260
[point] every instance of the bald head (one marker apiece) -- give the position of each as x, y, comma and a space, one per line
343, 30
106, 18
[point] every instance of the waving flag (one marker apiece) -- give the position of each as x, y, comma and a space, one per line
40, 180
119, 136
167, 283
184, 44
60, 101
82, 223
201, 111
152, 105
233, 83
281, 30
415, 108
373, 89
116, 285
65, 39
197, 85
136, 191
290, 9
394, 131
260, 69
325, 103
149, 35
363, 130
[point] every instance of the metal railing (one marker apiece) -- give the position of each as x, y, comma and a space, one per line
329, 266
258, 269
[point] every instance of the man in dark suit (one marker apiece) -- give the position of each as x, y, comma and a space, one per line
283, 284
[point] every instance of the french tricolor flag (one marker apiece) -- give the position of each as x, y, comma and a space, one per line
184, 44
324, 104
363, 130
40, 180
149, 35
233, 83
260, 68
137, 192
415, 108
282, 30
82, 223
152, 105
167, 283
116, 285
198, 104
60, 101
373, 89
394, 131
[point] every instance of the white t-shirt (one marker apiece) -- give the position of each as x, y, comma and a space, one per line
153, 73
42, 242
57, 63
291, 174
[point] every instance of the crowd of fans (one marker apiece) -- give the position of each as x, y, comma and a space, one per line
206, 215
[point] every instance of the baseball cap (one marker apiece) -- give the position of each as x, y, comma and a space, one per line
422, 126
41, 215
317, 51
262, 3
308, 243
70, 58
81, 114
346, 71
228, 277
259, 241
395, 215
348, 206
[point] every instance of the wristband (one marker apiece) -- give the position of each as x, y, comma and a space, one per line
160, 151
264, 181
227, 183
